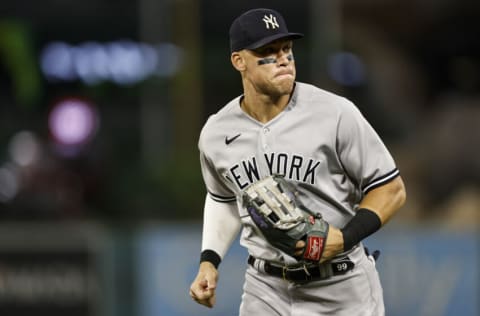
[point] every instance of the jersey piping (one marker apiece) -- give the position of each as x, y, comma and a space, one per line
381, 181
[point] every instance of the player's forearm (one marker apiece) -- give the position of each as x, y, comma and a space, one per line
377, 207
221, 225
386, 199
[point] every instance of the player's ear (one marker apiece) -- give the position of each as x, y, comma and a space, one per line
238, 61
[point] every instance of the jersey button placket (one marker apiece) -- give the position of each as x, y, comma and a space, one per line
264, 138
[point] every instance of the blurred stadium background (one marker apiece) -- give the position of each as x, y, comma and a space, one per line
101, 104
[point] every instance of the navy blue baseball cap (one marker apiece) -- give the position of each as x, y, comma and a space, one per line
258, 27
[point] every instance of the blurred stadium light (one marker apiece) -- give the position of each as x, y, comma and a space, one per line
73, 122
346, 68
24, 148
123, 62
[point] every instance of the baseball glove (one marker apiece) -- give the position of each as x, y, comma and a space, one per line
283, 220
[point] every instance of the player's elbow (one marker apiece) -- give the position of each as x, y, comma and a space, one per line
398, 192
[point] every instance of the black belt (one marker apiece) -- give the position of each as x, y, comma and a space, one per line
304, 273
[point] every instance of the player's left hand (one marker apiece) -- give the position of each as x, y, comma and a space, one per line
333, 246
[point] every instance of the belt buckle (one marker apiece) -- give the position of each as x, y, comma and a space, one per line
285, 270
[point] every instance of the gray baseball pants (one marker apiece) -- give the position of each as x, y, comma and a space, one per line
356, 293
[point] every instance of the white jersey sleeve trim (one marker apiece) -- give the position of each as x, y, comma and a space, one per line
221, 225
381, 181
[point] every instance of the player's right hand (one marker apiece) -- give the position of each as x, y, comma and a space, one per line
333, 245
203, 287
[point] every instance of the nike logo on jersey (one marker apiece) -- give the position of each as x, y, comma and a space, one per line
228, 141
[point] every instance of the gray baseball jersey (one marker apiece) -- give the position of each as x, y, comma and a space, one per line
320, 142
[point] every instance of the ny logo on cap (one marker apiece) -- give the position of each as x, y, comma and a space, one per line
270, 21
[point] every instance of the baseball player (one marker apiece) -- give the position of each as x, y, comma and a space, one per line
281, 133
